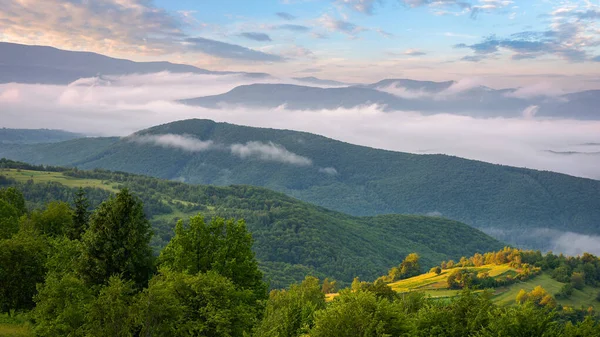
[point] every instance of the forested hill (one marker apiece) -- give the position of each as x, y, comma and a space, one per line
32, 136
353, 179
292, 238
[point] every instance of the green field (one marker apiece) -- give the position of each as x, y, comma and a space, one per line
46, 176
14, 326
436, 286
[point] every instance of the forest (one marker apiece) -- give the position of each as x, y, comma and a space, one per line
362, 181
67, 269
292, 238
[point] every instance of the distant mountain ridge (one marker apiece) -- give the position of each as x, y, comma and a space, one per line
33, 136
48, 65
353, 179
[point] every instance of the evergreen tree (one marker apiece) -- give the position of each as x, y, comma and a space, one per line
81, 216
117, 242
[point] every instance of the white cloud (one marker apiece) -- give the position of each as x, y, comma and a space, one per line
328, 170
537, 90
530, 111
182, 142
130, 106
269, 152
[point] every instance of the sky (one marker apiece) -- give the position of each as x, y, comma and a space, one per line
501, 41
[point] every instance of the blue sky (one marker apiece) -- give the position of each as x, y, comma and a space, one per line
350, 40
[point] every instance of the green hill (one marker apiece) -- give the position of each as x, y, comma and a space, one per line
292, 238
32, 136
505, 201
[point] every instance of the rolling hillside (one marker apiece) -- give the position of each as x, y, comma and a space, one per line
292, 238
352, 179
33, 136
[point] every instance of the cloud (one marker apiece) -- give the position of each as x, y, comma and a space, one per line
113, 27
414, 52
285, 16
310, 70
542, 89
100, 25
229, 51
328, 170
294, 28
340, 26
530, 111
269, 152
186, 143
566, 40
132, 103
256, 36
362, 6
473, 9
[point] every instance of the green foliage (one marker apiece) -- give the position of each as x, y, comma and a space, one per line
204, 304
437, 270
578, 280
12, 206
53, 220
368, 181
81, 216
360, 314
22, 261
526, 320
61, 306
109, 314
291, 238
566, 291
290, 313
329, 286
117, 242
221, 246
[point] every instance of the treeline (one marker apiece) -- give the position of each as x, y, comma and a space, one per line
82, 273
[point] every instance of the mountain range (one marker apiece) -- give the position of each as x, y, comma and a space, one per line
47, 65
508, 202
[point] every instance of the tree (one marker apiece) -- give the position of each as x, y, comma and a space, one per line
60, 306
81, 216
204, 304
110, 314
22, 260
410, 266
12, 206
360, 314
436, 270
221, 246
522, 296
54, 219
290, 313
117, 242
329, 286
578, 280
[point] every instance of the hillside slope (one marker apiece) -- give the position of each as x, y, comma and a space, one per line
352, 179
47, 65
292, 238
33, 136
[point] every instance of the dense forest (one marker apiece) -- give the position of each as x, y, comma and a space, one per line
356, 180
33, 136
70, 270
292, 238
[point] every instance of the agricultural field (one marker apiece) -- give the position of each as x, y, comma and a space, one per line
436, 286
47, 176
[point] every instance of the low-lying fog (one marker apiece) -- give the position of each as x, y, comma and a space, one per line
122, 105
